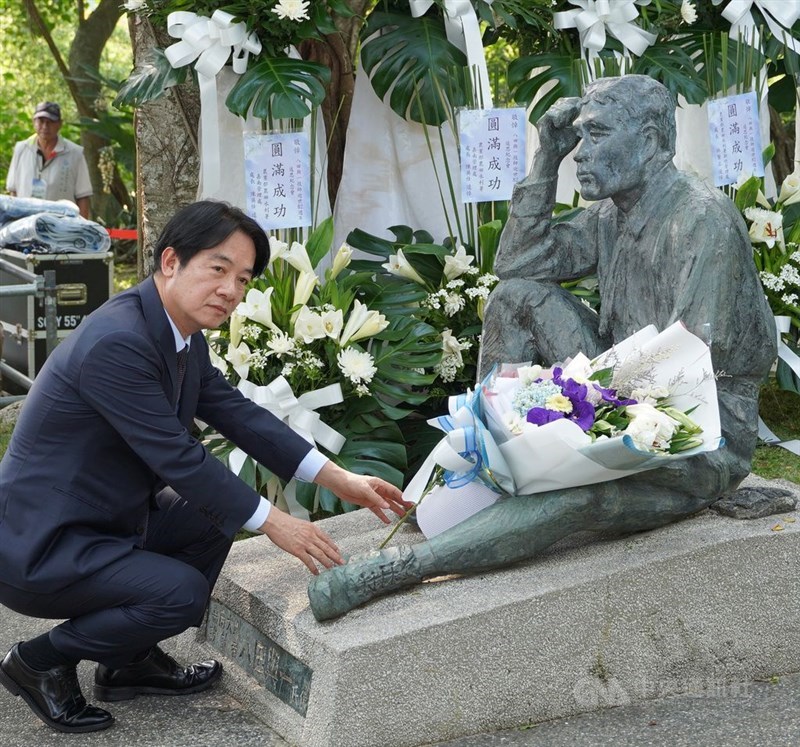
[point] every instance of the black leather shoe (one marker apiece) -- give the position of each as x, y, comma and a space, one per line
158, 674
54, 696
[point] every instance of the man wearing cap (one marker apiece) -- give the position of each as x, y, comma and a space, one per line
49, 166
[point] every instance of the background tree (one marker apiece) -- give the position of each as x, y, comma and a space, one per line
70, 53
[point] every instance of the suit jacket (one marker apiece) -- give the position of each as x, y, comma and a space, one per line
99, 435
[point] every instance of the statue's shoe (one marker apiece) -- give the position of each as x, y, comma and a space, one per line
344, 587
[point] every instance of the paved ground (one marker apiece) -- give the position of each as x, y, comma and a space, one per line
757, 714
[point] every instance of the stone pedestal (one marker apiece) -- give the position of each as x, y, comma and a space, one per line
700, 605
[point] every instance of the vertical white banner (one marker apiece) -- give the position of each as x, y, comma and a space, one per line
734, 128
277, 171
492, 149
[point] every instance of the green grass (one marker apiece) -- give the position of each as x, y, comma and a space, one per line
780, 410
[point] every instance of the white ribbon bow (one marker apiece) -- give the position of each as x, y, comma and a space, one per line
210, 41
780, 16
463, 31
298, 413
465, 435
595, 18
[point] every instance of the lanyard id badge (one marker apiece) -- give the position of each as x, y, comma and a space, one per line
38, 188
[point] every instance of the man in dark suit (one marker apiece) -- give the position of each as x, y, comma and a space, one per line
112, 515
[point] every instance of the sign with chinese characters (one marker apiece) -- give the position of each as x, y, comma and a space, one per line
492, 143
272, 666
734, 129
277, 170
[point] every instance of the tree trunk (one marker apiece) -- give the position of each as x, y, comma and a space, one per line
81, 75
167, 159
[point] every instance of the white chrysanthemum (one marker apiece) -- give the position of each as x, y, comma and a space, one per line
356, 365
281, 344
294, 10
453, 304
688, 12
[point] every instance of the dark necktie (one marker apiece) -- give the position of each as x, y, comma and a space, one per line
183, 354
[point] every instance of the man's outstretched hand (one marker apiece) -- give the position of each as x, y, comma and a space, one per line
303, 539
306, 541
362, 490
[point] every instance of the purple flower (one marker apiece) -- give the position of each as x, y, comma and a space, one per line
541, 415
610, 396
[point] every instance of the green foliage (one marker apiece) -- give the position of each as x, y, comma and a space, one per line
279, 88
150, 80
411, 61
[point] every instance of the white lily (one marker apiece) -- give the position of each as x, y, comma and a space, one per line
304, 287
257, 306
308, 325
239, 356
297, 257
374, 323
235, 327
457, 264
399, 265
766, 226
790, 189
452, 348
277, 248
341, 260
354, 322
332, 322
218, 361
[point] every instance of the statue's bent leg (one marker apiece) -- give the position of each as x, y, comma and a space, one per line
518, 528
532, 320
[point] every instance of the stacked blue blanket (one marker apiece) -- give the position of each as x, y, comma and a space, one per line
43, 226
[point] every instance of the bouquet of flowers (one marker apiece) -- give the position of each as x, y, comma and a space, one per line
648, 400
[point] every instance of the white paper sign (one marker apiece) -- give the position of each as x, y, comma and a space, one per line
277, 171
733, 126
492, 149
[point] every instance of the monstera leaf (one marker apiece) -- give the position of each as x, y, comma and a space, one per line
149, 80
410, 61
279, 88
562, 68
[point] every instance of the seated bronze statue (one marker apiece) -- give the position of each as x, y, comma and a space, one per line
665, 247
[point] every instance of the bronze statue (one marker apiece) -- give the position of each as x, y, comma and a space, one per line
665, 247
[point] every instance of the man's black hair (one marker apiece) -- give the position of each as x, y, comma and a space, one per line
206, 224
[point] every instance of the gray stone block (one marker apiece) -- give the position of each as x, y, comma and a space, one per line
693, 606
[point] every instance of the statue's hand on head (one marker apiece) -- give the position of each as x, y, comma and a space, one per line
557, 135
